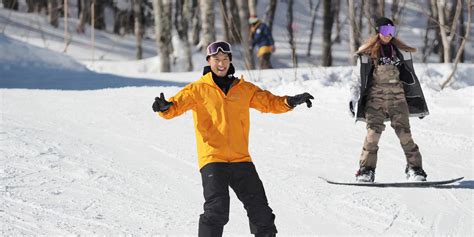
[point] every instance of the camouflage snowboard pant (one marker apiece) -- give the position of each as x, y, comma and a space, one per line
386, 100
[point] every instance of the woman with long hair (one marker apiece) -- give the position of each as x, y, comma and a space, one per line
385, 88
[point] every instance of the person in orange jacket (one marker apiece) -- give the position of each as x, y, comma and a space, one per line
220, 103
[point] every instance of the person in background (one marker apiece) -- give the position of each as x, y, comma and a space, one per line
220, 103
385, 87
262, 39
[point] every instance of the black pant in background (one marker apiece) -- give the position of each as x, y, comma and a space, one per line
244, 180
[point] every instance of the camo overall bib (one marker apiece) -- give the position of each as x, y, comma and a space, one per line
386, 99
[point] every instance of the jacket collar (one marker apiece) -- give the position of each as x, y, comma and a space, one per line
207, 79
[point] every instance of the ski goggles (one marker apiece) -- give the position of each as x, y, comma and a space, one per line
217, 46
387, 30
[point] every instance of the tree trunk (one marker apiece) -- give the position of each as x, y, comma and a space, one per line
139, 30
381, 10
162, 9
374, 9
253, 7
181, 25
30, 6
397, 9
327, 31
462, 30
99, 19
337, 9
234, 21
84, 15
10, 4
430, 24
195, 22
314, 12
208, 23
245, 33
53, 13
461, 47
354, 41
446, 40
289, 27
368, 16
225, 19
360, 18
270, 13
79, 8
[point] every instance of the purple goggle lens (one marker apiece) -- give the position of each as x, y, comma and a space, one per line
214, 48
387, 30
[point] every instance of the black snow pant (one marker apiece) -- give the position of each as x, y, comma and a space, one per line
244, 180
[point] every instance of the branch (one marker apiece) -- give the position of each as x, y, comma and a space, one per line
461, 48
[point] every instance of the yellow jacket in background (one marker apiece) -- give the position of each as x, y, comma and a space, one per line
222, 121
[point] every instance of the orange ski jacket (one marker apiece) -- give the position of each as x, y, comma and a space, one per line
222, 121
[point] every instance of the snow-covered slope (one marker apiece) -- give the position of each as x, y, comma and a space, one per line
92, 157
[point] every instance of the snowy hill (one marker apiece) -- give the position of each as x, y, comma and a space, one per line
99, 161
82, 153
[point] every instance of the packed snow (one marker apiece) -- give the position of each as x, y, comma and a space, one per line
82, 153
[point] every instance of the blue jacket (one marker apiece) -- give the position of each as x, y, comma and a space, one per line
262, 36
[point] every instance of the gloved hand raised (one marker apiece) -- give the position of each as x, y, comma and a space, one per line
160, 104
352, 104
293, 101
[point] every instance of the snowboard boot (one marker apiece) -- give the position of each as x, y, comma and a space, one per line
415, 174
365, 174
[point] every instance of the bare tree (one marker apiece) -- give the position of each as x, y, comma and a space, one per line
462, 31
430, 45
53, 17
253, 7
225, 19
369, 13
181, 24
461, 47
270, 13
360, 17
99, 19
289, 27
195, 22
337, 10
381, 9
397, 9
328, 18
123, 21
314, 11
10, 4
245, 33
375, 9
85, 15
139, 28
162, 10
234, 22
445, 29
354, 37
208, 23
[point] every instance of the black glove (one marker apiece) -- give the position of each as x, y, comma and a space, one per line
160, 104
293, 101
351, 108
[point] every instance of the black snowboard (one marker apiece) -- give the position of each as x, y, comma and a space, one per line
396, 184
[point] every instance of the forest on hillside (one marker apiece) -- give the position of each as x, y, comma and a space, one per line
194, 22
